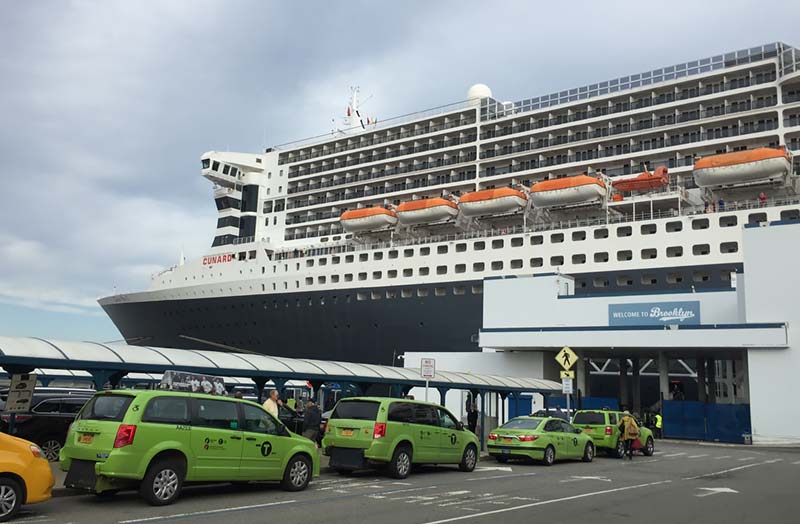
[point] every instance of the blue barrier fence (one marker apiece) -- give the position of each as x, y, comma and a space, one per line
700, 421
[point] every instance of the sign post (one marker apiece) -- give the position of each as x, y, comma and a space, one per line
427, 370
20, 394
566, 358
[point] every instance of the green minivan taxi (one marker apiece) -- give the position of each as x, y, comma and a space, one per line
545, 439
602, 426
396, 433
157, 440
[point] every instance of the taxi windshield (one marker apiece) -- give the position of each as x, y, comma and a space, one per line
106, 407
522, 423
589, 417
356, 410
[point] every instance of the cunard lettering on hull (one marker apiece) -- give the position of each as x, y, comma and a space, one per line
217, 259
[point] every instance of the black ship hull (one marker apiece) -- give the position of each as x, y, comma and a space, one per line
372, 325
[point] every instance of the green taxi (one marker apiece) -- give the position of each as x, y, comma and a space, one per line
396, 433
158, 440
545, 439
603, 426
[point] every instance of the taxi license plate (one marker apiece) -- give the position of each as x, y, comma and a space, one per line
587, 430
507, 440
86, 438
347, 432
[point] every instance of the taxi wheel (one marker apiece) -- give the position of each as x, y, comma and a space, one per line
400, 465
162, 483
649, 447
588, 452
549, 456
469, 459
10, 498
297, 474
619, 452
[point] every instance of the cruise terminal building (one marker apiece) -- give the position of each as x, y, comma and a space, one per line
743, 342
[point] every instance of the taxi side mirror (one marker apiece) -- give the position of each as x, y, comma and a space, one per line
460, 426
578, 431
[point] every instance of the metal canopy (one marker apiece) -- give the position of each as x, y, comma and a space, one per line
28, 353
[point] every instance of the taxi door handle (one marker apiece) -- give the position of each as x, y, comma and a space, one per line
236, 438
251, 438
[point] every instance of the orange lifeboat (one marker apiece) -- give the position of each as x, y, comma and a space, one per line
367, 219
426, 211
761, 165
568, 191
643, 182
492, 202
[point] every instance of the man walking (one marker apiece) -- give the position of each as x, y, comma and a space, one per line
311, 421
472, 417
630, 432
272, 403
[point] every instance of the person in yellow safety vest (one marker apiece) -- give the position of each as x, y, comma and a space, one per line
659, 424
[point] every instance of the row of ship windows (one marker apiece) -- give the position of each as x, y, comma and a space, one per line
652, 280
625, 255
555, 238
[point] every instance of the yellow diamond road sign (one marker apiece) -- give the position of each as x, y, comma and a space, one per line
566, 358
567, 374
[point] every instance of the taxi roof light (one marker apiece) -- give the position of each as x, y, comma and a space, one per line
125, 435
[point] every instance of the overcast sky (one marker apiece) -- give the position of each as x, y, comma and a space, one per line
106, 107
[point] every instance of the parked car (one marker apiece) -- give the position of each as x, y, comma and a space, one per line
25, 475
368, 431
545, 439
51, 413
156, 440
602, 426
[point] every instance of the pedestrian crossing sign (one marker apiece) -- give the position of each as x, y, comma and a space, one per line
566, 358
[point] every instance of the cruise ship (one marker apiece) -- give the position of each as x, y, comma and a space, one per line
375, 239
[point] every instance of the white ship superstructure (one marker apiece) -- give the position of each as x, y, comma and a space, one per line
380, 236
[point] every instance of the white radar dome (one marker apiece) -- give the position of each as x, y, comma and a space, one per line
479, 91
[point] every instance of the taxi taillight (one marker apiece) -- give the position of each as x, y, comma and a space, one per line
527, 438
379, 431
492, 436
124, 436
608, 430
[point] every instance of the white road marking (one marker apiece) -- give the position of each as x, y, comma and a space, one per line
675, 454
462, 492
795, 463
732, 469
715, 491
697, 456
746, 458
551, 501
204, 513
500, 468
502, 476
402, 483
575, 478
723, 457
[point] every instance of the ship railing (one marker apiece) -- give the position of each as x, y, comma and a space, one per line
713, 208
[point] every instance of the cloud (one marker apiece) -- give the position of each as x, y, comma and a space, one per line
107, 106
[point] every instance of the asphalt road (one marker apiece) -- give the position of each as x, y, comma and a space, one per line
681, 483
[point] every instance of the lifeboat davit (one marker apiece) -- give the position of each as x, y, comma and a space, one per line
426, 211
367, 219
764, 164
644, 182
568, 191
492, 202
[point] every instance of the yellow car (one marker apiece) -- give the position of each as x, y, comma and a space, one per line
25, 475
